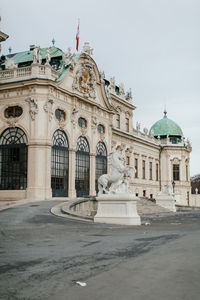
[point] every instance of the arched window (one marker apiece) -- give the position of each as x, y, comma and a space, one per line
60, 114
101, 128
82, 180
59, 164
13, 159
101, 162
82, 122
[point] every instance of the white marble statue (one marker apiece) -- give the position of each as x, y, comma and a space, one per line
87, 49
69, 58
10, 64
137, 126
116, 181
48, 56
166, 190
37, 58
102, 76
121, 90
129, 95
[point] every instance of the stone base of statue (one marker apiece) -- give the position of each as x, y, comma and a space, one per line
117, 209
166, 201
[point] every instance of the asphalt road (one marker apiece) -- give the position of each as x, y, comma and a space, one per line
43, 256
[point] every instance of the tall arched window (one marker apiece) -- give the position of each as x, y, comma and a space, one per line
82, 180
101, 162
13, 159
59, 164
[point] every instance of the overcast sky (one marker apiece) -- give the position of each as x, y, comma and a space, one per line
152, 46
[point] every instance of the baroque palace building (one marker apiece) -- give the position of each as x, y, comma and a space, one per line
60, 118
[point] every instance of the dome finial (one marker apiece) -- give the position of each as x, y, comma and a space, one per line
165, 112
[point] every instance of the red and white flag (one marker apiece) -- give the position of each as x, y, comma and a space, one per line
77, 37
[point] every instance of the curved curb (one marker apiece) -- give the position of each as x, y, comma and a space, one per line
58, 210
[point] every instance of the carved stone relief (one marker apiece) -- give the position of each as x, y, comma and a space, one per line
61, 124
74, 118
12, 122
83, 131
48, 107
33, 107
94, 122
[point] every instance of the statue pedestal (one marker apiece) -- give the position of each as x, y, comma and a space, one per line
166, 201
117, 209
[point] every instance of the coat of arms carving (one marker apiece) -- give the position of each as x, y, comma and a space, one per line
85, 79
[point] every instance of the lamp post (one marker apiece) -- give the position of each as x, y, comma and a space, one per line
173, 184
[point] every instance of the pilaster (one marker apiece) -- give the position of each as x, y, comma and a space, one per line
92, 174
72, 172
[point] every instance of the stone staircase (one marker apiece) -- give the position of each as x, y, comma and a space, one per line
147, 207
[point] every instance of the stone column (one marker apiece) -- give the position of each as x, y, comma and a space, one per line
72, 173
92, 174
39, 171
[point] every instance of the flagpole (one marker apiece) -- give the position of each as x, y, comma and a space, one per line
77, 36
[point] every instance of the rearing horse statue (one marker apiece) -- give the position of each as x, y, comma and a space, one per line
114, 181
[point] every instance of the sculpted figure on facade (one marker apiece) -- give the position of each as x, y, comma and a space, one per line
137, 126
33, 107
85, 80
152, 133
107, 90
48, 56
87, 49
48, 107
102, 76
10, 64
37, 59
74, 116
69, 58
121, 90
94, 122
129, 95
116, 181
145, 130
112, 84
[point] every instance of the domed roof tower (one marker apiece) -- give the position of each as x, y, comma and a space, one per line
166, 128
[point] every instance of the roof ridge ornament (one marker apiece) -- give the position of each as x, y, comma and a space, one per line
87, 49
165, 113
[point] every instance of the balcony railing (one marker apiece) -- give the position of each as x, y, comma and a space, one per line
24, 73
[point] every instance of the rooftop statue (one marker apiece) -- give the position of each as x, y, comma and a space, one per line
68, 58
37, 59
116, 181
87, 49
48, 56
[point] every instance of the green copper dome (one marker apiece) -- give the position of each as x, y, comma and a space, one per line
165, 127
